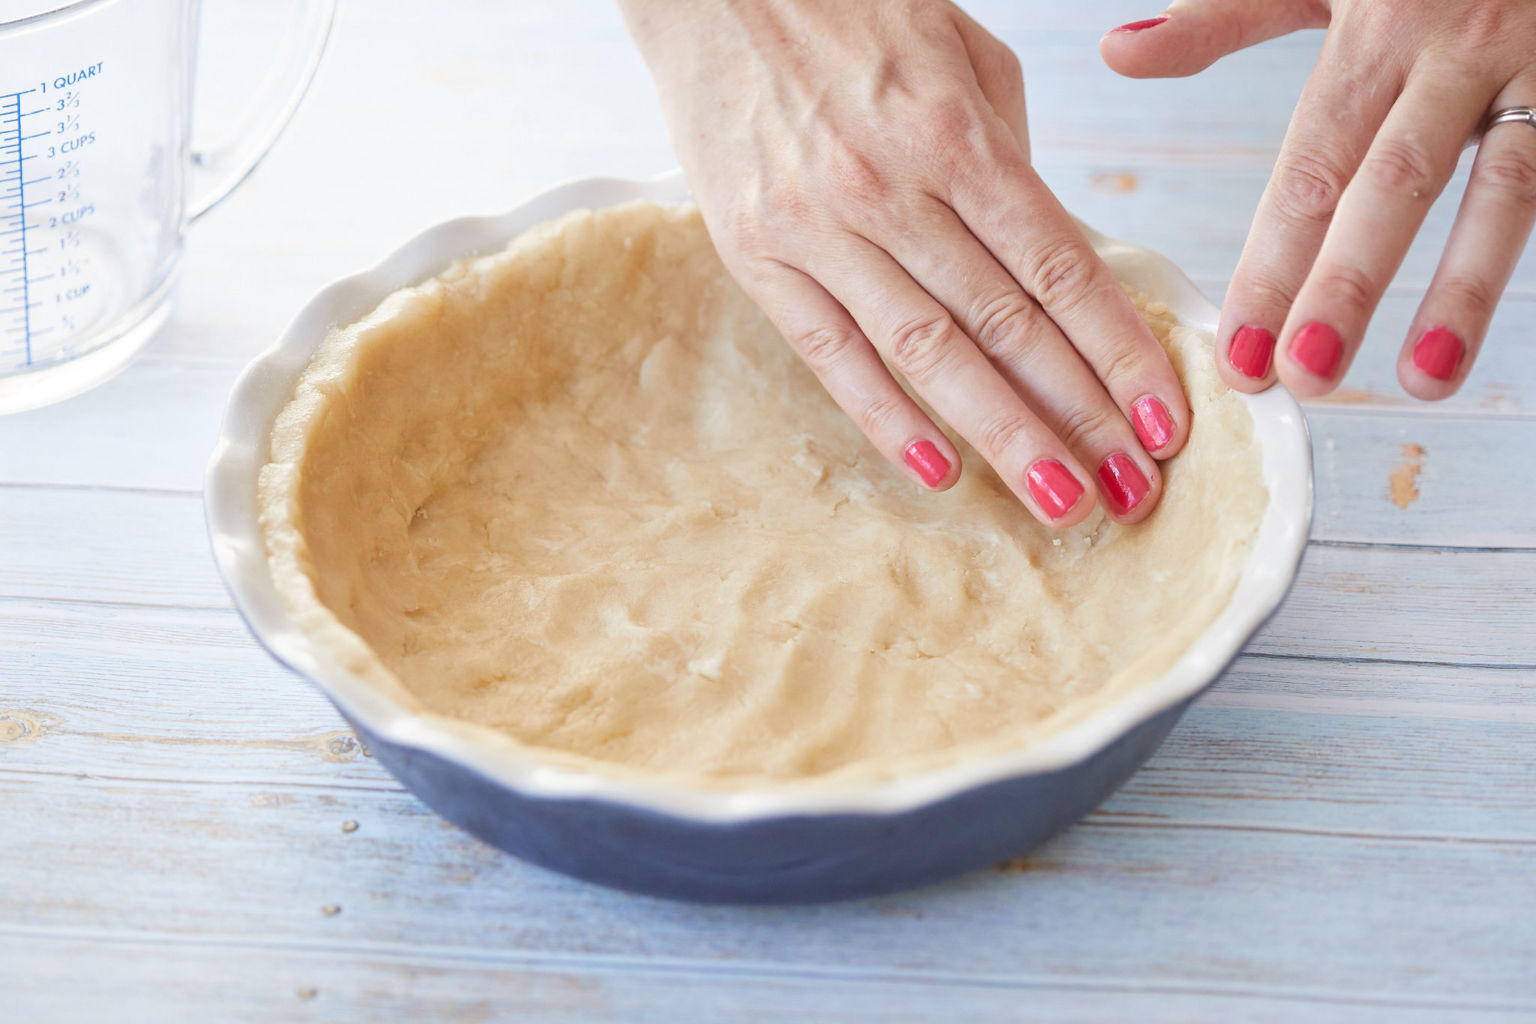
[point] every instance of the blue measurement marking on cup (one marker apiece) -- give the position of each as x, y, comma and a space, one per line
13, 215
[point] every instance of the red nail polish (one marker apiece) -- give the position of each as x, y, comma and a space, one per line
1137, 26
1054, 487
1153, 424
1318, 348
928, 461
1439, 352
1250, 352
1124, 482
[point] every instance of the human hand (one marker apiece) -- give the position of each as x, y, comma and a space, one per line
863, 168
1400, 87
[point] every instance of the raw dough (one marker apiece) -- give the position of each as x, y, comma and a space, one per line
580, 496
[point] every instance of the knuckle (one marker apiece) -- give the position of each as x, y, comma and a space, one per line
857, 177
1007, 67
1484, 26
954, 139
1084, 423
929, 21
781, 202
878, 414
1006, 327
747, 232
1001, 433
1120, 363
921, 347
997, 66
824, 346
951, 119
1350, 286
1401, 167
1272, 293
1472, 295
1011, 65
1511, 174
972, 165
1307, 188
1062, 274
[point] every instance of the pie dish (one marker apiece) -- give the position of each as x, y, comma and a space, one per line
416, 644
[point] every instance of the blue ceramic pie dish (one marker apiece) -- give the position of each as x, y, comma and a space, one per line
786, 845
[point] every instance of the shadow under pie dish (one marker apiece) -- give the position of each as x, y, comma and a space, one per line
596, 568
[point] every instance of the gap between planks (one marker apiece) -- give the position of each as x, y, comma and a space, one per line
1110, 819
1345, 659
1391, 545
1098, 818
1355, 707
46, 485
453, 956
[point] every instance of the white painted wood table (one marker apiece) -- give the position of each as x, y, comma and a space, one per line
1345, 828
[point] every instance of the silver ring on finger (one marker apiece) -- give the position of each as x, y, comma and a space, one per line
1511, 115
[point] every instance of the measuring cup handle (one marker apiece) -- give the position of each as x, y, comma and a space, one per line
216, 171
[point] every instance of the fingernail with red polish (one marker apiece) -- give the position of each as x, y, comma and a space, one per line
1137, 26
1124, 482
1439, 352
1054, 487
929, 463
1250, 352
1318, 348
1153, 424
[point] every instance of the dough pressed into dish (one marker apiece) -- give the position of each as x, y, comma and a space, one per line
580, 497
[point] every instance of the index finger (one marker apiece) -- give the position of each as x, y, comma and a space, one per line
1028, 231
1334, 123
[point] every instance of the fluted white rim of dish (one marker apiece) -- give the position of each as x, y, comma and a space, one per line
267, 384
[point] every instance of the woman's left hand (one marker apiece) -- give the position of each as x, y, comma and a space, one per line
1398, 90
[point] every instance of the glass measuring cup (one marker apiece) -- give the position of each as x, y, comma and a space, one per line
99, 178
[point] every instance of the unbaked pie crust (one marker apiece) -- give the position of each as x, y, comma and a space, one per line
579, 496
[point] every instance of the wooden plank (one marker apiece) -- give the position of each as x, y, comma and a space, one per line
82, 443
106, 545
1259, 768
162, 694
152, 695
234, 980
1461, 607
1414, 920
1444, 480
1376, 689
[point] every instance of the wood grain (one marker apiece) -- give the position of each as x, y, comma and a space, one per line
302, 983
1415, 919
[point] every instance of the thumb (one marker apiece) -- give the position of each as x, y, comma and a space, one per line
1192, 35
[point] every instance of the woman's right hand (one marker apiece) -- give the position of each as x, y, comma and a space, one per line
863, 168
1399, 89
